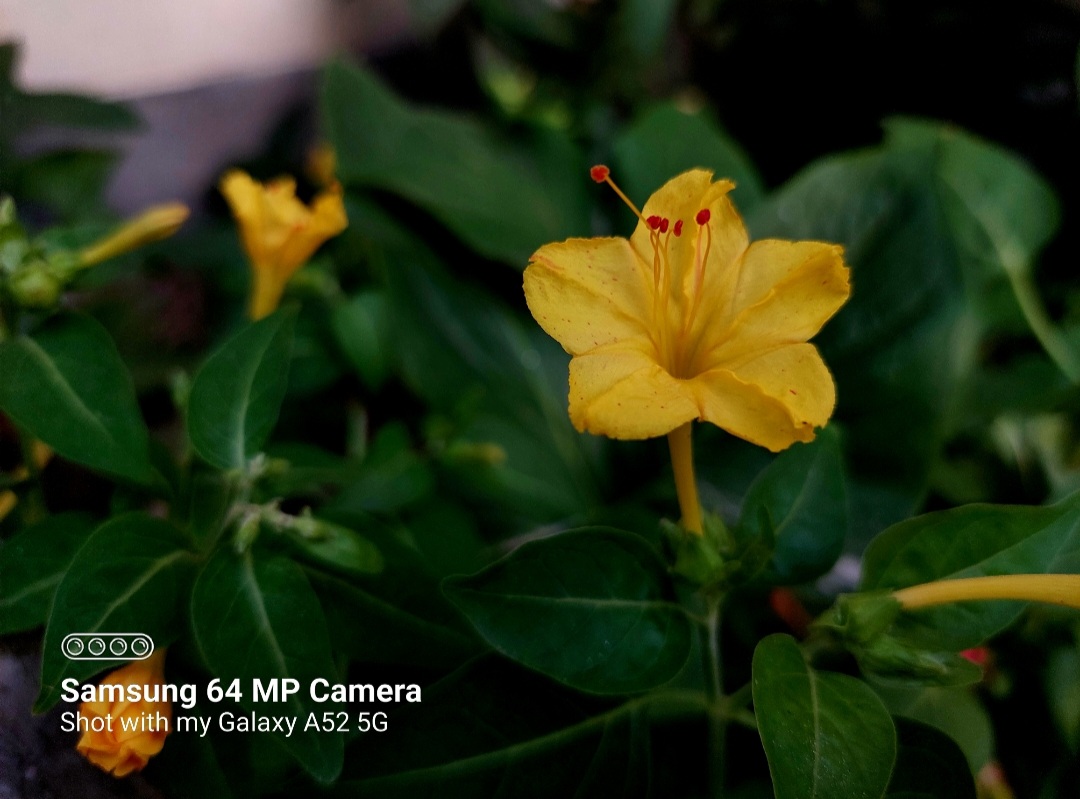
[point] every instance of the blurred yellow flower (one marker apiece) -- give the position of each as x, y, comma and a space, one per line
115, 749
321, 164
687, 320
279, 233
153, 224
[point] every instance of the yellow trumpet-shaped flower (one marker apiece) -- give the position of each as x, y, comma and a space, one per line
153, 224
128, 732
1053, 589
279, 232
687, 320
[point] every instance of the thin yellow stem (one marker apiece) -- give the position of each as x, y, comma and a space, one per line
682, 460
1054, 589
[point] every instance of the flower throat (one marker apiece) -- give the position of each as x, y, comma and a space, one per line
671, 345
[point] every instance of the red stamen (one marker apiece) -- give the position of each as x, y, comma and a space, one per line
599, 173
678, 228
664, 225
654, 221
703, 216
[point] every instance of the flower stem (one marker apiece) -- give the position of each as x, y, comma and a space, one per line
681, 446
718, 703
1055, 589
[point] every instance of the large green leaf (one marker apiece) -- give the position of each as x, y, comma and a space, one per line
929, 765
825, 735
504, 197
588, 607
666, 141
799, 500
236, 395
131, 576
972, 541
67, 386
931, 254
491, 731
258, 618
32, 563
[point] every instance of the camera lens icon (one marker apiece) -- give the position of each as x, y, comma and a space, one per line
107, 646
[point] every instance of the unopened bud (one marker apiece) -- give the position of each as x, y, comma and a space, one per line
36, 285
154, 224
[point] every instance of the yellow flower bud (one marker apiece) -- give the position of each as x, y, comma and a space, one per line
279, 233
154, 224
114, 749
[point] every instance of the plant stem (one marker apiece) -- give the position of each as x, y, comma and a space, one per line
680, 443
718, 703
1061, 352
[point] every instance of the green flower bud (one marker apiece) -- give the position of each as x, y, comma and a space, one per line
36, 285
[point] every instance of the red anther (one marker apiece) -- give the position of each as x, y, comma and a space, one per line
664, 225
599, 173
703, 216
678, 228
654, 221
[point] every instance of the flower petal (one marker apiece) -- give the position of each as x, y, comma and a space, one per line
309, 229
586, 293
795, 376
746, 411
786, 291
621, 392
681, 198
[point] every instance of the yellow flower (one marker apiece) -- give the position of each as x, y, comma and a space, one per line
114, 749
321, 164
153, 224
1053, 589
687, 320
280, 233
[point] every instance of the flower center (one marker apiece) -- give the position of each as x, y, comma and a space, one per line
672, 325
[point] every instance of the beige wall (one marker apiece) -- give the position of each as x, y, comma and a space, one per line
125, 48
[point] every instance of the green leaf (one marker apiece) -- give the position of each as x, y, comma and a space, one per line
131, 576
825, 735
190, 765
32, 563
72, 111
929, 765
362, 330
503, 197
391, 476
67, 386
957, 714
588, 607
503, 383
257, 618
397, 616
931, 230
972, 541
237, 394
492, 730
339, 548
71, 182
373, 629
666, 141
799, 500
